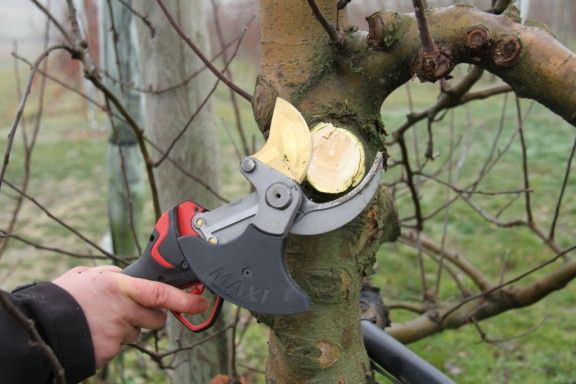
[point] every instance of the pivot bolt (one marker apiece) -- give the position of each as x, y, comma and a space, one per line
279, 196
248, 165
199, 222
213, 240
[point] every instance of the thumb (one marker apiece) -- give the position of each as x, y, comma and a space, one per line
153, 294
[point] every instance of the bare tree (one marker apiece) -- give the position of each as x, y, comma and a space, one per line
181, 125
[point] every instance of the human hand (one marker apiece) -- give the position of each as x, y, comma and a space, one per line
116, 306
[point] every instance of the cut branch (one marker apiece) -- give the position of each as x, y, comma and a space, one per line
528, 58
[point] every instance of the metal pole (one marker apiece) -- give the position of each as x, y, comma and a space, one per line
398, 360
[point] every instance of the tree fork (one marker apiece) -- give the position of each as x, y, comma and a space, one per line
526, 56
346, 88
300, 63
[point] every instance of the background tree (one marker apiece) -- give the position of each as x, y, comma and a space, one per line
178, 122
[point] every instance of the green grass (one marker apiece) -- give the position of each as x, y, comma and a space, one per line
68, 176
545, 351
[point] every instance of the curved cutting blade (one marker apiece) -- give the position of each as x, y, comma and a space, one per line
315, 218
289, 146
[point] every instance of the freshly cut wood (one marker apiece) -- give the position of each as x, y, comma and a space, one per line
337, 159
289, 144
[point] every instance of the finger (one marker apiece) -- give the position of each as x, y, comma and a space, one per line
131, 335
153, 294
148, 318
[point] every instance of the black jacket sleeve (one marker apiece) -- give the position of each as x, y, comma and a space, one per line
61, 323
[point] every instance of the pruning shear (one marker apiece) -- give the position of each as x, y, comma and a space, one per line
237, 250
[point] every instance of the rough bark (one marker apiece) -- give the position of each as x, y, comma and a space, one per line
526, 56
298, 63
168, 60
344, 81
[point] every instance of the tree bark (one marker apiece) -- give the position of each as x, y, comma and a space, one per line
343, 80
526, 56
168, 60
298, 63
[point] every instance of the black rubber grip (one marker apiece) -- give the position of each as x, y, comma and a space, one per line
162, 259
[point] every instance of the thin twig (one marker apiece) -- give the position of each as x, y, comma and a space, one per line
115, 43
425, 37
144, 18
410, 182
454, 258
329, 28
28, 144
200, 55
63, 224
407, 306
562, 190
525, 174
22, 104
509, 282
235, 107
52, 19
446, 211
4, 234
233, 357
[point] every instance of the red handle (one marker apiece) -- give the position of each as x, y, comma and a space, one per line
185, 213
197, 289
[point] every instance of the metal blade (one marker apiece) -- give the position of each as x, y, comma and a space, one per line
229, 221
315, 218
289, 146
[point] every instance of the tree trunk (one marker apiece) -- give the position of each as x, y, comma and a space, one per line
344, 82
168, 61
298, 63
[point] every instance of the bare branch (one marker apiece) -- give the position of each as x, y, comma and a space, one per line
235, 107
52, 19
36, 340
489, 303
200, 55
562, 190
63, 224
525, 174
425, 36
22, 104
535, 288
336, 39
144, 18
456, 259
5, 235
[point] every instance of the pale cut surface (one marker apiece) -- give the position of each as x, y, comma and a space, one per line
289, 145
337, 159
